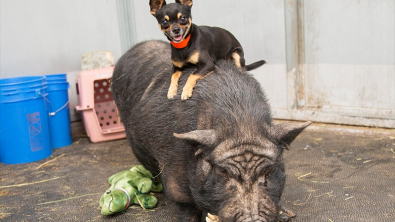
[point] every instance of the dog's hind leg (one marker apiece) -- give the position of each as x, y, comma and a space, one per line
238, 57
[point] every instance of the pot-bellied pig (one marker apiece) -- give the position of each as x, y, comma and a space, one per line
218, 153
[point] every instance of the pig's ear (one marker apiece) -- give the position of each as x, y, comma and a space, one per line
205, 137
287, 132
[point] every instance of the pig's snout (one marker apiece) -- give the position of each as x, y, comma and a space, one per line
213, 218
256, 218
237, 215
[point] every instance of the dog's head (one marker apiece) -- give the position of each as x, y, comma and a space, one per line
174, 19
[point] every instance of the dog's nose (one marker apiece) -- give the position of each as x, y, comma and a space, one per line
176, 30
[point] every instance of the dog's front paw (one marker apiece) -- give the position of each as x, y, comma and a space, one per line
186, 92
172, 92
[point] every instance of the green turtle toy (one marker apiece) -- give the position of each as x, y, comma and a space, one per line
130, 187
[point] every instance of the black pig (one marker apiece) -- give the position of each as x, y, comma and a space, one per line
218, 152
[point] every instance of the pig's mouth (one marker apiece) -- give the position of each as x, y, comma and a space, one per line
284, 215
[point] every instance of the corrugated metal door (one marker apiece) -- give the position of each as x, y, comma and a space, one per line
342, 61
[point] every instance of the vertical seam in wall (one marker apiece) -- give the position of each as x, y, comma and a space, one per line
292, 51
126, 22
300, 84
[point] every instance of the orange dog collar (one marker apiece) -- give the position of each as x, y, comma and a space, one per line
181, 44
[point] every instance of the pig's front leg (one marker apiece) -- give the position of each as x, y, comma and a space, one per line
285, 215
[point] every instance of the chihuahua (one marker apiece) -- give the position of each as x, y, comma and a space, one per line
192, 44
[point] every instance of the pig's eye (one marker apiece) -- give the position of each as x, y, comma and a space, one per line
263, 181
223, 172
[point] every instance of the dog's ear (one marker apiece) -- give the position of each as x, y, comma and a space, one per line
155, 5
187, 3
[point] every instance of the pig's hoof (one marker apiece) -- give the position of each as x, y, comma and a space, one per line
211, 218
172, 92
283, 218
285, 215
186, 93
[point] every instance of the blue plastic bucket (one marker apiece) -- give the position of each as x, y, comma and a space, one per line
24, 128
59, 114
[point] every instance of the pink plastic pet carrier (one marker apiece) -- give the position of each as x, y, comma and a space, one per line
99, 113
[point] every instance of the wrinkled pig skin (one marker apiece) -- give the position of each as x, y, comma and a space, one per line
218, 152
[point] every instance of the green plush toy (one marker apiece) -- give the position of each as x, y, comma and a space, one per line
130, 187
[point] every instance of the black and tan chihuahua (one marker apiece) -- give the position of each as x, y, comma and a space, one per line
198, 45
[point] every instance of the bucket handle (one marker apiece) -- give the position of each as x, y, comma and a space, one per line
53, 113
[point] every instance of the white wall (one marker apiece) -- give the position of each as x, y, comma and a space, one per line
39, 37
49, 36
350, 31
350, 56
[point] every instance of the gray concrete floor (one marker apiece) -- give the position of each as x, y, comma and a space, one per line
334, 173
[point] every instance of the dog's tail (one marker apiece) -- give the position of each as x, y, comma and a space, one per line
255, 65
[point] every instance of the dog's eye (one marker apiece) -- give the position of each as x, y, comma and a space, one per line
183, 19
164, 22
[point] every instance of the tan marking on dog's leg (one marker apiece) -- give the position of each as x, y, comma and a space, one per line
188, 88
236, 58
177, 64
191, 82
174, 85
194, 58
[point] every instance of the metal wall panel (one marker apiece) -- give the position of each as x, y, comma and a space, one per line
350, 57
